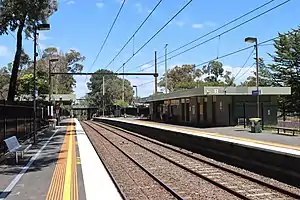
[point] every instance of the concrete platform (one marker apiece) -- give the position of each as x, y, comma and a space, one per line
238, 133
58, 166
265, 153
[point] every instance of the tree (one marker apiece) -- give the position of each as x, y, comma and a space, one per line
265, 76
22, 16
181, 77
63, 84
286, 68
4, 82
214, 70
113, 89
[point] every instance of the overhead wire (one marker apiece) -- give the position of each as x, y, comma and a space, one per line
216, 36
244, 64
134, 34
111, 27
231, 29
145, 83
245, 71
156, 34
235, 52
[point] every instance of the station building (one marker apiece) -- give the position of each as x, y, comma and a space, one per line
215, 106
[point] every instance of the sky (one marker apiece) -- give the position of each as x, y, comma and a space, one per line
83, 25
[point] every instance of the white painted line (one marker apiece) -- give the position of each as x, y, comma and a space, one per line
97, 182
24, 169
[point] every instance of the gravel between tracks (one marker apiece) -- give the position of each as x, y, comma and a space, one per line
189, 186
134, 182
243, 184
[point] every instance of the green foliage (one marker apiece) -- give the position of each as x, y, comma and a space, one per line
188, 77
121, 103
27, 83
22, 16
286, 67
62, 84
214, 70
265, 76
4, 82
181, 77
16, 13
113, 89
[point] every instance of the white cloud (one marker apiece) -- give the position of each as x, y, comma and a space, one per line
70, 2
139, 7
197, 25
240, 74
179, 23
100, 4
4, 51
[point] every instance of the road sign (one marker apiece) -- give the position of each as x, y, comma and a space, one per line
256, 92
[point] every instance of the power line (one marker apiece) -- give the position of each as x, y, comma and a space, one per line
231, 29
245, 71
132, 37
146, 83
113, 24
235, 52
156, 33
244, 63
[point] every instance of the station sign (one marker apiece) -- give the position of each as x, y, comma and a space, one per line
256, 92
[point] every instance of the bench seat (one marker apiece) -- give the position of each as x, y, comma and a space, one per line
14, 146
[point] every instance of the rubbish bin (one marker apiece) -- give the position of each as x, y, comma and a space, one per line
52, 124
255, 125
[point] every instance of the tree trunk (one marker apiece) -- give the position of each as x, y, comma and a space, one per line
16, 65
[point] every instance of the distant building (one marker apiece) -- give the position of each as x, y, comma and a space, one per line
215, 106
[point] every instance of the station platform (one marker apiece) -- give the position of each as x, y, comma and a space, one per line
267, 139
61, 165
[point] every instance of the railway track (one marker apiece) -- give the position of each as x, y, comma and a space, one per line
138, 190
236, 183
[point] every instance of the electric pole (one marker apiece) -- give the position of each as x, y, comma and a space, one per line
103, 93
123, 90
155, 70
34, 85
166, 69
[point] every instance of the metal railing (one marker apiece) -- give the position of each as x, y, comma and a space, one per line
17, 120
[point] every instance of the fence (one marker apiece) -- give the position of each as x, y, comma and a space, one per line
17, 120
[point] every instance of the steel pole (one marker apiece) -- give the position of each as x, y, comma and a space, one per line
103, 93
166, 69
50, 84
34, 85
155, 68
123, 90
257, 77
136, 94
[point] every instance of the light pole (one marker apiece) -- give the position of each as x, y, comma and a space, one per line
36, 28
254, 40
166, 69
50, 80
136, 97
123, 90
103, 93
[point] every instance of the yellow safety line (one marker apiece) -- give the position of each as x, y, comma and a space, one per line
223, 136
68, 175
56, 186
